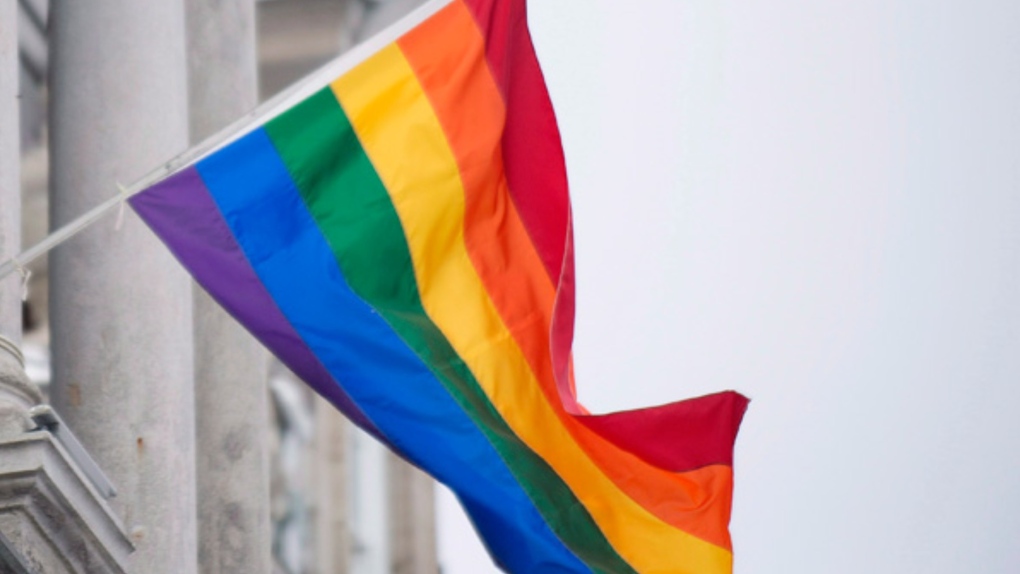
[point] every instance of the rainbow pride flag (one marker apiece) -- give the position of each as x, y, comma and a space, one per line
401, 239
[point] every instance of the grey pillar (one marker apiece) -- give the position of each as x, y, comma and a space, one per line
412, 519
230, 366
378, 14
120, 304
332, 536
16, 392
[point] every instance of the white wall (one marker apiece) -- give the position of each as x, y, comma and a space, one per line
818, 204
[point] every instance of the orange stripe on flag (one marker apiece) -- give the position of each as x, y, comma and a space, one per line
445, 54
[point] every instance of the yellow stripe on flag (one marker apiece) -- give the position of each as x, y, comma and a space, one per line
405, 142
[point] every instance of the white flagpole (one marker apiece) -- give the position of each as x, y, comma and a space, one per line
257, 116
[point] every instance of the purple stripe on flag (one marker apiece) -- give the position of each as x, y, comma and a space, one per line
181, 211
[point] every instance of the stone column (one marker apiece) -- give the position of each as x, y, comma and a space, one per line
16, 392
330, 475
378, 14
230, 366
370, 506
412, 519
120, 305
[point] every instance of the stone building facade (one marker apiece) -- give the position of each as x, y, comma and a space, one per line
141, 430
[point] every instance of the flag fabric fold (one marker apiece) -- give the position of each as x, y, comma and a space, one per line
401, 239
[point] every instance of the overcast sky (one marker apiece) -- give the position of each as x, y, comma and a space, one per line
817, 204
